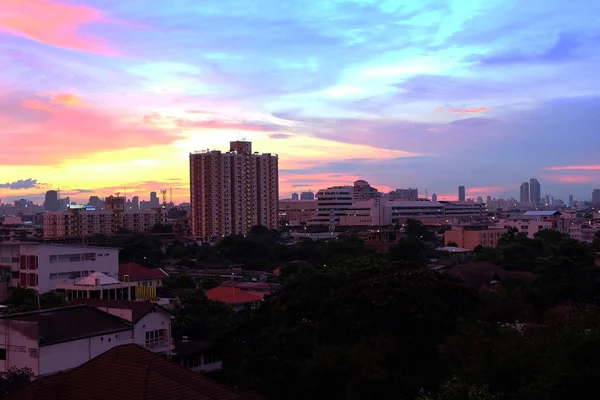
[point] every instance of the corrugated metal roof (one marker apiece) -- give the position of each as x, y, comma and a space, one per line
541, 213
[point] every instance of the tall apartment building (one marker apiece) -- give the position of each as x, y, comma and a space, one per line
524, 192
233, 191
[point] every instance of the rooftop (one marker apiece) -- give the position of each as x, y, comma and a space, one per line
232, 295
64, 324
138, 272
127, 372
96, 279
139, 309
541, 213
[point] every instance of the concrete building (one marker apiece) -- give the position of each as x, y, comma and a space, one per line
43, 267
381, 212
232, 192
535, 191
60, 339
462, 193
524, 192
14, 229
532, 222
297, 212
363, 190
81, 222
332, 204
103, 287
471, 236
51, 201
405, 194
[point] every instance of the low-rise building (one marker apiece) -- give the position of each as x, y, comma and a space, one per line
142, 276
235, 297
103, 287
42, 267
471, 236
198, 356
532, 222
151, 323
128, 372
59, 339
297, 212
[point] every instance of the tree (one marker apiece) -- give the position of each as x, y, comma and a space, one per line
409, 250
201, 318
361, 330
596, 242
13, 379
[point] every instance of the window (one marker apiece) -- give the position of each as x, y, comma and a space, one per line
154, 338
2, 354
33, 353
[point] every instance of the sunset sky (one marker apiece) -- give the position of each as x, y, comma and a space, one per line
99, 95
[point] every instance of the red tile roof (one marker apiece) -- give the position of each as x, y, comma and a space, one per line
232, 295
63, 324
138, 272
126, 372
139, 309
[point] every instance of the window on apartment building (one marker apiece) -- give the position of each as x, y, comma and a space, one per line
2, 354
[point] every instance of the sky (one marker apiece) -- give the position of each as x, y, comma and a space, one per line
106, 96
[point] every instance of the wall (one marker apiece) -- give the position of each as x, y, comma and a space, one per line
62, 356
22, 341
153, 321
106, 261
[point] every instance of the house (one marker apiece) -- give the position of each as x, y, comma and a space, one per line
198, 356
102, 286
128, 372
42, 266
531, 222
151, 322
58, 339
143, 276
235, 297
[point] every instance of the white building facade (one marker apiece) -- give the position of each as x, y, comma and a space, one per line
44, 266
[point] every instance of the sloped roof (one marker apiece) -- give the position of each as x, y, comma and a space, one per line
541, 213
126, 372
138, 272
98, 278
139, 309
480, 274
64, 324
232, 295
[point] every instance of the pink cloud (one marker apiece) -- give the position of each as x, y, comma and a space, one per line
53, 23
229, 125
574, 168
61, 133
469, 110
571, 178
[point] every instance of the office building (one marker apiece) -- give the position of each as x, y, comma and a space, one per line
547, 200
307, 195
51, 201
525, 192
535, 191
471, 236
571, 200
595, 198
462, 193
363, 190
434, 197
295, 196
232, 192
332, 203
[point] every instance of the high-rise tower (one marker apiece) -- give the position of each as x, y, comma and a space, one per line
232, 192
525, 192
535, 191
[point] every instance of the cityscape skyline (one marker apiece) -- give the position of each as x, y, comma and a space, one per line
407, 94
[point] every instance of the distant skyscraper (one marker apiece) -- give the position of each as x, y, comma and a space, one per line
489, 200
307, 195
51, 201
154, 201
479, 199
570, 200
462, 193
547, 200
525, 192
434, 197
535, 191
234, 191
596, 198
294, 196
135, 203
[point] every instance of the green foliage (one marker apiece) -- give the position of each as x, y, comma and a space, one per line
360, 330
409, 251
201, 318
24, 300
596, 242
13, 379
